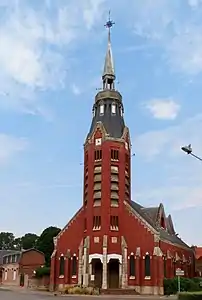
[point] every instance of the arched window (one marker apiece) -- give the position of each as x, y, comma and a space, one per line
174, 268
74, 266
147, 266
62, 266
165, 266
5, 275
102, 108
94, 111
113, 108
162, 222
132, 266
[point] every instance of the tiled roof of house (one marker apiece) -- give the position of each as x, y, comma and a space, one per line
151, 216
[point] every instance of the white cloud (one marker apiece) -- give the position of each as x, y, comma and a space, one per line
167, 142
180, 175
34, 47
165, 109
75, 89
9, 146
194, 3
91, 13
174, 28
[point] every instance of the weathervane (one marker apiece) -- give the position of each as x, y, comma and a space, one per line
109, 23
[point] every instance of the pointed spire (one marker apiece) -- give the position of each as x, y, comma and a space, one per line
108, 75
109, 64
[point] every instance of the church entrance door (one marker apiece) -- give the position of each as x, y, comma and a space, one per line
113, 274
97, 272
1, 275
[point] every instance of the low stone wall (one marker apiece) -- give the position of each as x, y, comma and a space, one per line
39, 283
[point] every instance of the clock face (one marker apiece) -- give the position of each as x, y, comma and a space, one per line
98, 142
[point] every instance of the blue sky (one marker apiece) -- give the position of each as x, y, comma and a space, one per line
51, 60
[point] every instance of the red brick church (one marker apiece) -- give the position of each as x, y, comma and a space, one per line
113, 242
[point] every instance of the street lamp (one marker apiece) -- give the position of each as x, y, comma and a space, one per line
188, 150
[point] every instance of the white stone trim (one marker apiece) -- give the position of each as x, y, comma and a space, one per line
109, 256
54, 253
157, 252
147, 277
142, 220
67, 225
95, 256
176, 245
114, 256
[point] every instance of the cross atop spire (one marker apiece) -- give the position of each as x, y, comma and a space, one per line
108, 76
109, 23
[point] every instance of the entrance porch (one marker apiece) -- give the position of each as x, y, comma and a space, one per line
105, 274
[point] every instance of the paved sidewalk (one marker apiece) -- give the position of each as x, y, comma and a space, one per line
33, 292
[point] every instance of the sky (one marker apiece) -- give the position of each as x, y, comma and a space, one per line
51, 61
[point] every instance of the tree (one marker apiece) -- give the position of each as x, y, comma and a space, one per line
29, 240
45, 242
18, 243
7, 241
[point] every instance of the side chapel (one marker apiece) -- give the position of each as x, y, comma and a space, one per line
113, 242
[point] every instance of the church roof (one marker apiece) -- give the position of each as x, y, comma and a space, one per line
114, 125
150, 214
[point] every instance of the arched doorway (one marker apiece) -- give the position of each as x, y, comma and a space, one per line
22, 279
113, 274
97, 272
1, 275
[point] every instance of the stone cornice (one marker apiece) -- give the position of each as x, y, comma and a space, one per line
108, 94
105, 136
153, 230
176, 245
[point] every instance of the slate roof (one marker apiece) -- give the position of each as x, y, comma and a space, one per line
113, 124
6, 252
150, 215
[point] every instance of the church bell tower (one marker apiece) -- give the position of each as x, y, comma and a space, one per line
107, 171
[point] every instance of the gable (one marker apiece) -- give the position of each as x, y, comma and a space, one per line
152, 216
32, 256
198, 252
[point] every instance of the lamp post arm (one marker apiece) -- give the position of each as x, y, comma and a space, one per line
197, 157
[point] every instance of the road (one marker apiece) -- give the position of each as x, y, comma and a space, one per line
12, 295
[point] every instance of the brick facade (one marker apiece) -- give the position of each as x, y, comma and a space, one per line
113, 242
198, 261
18, 266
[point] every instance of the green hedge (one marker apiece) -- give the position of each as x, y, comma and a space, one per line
190, 296
186, 285
42, 271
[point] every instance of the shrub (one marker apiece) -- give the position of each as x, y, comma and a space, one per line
80, 290
190, 296
42, 271
186, 285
